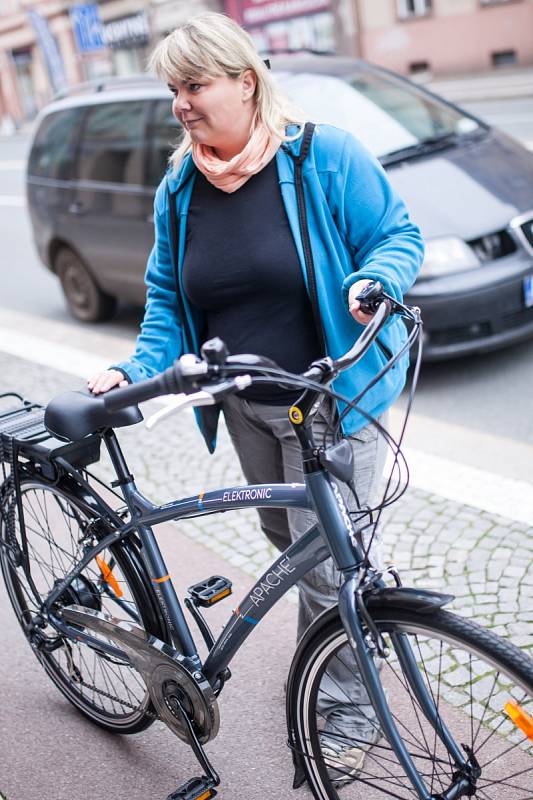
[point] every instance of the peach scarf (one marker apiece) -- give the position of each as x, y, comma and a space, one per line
230, 175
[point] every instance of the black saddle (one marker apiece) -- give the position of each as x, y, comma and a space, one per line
73, 415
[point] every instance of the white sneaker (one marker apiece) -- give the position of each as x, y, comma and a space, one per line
343, 763
344, 760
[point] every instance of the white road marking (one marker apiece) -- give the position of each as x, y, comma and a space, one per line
12, 164
445, 477
72, 360
470, 486
51, 354
12, 200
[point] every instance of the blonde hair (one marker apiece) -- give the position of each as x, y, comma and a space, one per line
211, 45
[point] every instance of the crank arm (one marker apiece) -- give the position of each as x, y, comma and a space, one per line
197, 748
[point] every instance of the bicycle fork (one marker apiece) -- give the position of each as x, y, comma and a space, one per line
351, 620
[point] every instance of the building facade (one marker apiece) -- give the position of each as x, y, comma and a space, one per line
48, 45
446, 36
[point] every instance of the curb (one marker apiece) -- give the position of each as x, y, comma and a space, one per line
520, 93
480, 87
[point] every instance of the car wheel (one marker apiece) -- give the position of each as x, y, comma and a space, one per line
86, 301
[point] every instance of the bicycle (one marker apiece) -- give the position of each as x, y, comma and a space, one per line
449, 703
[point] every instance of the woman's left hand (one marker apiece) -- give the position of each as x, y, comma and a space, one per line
355, 306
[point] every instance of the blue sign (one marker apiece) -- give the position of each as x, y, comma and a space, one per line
48, 44
87, 27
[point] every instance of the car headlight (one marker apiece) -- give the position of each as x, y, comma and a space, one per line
445, 255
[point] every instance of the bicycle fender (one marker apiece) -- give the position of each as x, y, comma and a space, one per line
422, 601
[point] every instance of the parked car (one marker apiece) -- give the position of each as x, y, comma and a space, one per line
99, 152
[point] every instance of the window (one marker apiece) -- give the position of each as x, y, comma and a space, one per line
385, 113
503, 58
53, 149
419, 68
112, 148
164, 133
413, 8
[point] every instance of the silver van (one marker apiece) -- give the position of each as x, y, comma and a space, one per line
98, 154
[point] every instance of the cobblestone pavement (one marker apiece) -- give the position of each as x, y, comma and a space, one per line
483, 559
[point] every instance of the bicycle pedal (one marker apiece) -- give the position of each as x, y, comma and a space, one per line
208, 592
194, 789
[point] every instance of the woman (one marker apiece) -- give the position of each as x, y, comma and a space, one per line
245, 274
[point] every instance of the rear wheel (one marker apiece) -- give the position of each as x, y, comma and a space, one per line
481, 685
86, 301
111, 693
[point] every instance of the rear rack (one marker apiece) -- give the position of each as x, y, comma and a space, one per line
23, 434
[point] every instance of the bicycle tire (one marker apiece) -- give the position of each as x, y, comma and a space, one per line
116, 699
472, 674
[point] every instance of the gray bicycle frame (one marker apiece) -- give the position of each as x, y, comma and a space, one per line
333, 536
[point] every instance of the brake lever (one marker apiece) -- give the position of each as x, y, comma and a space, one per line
179, 402
208, 396
374, 294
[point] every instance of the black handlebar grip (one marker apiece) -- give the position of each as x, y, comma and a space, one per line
168, 382
370, 297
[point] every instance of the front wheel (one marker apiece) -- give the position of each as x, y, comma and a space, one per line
481, 685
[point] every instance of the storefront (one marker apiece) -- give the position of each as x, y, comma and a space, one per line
37, 60
287, 25
127, 39
168, 14
111, 38
22, 60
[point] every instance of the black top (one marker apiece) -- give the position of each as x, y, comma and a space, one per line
242, 269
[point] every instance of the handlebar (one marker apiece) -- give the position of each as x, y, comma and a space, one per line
369, 334
174, 380
190, 373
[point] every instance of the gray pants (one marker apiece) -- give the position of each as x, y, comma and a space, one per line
269, 453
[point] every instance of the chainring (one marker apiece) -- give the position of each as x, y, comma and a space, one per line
167, 674
166, 684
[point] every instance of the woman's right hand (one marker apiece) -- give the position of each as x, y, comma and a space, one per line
105, 381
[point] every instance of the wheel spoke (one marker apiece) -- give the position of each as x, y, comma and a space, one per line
467, 673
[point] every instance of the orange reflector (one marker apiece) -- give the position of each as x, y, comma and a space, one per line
205, 795
219, 596
108, 576
520, 718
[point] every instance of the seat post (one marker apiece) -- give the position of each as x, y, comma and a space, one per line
116, 455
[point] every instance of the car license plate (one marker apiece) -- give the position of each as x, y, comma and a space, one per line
528, 291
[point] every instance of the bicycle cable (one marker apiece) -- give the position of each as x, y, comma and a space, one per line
277, 376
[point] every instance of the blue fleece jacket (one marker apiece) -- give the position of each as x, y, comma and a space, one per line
358, 227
